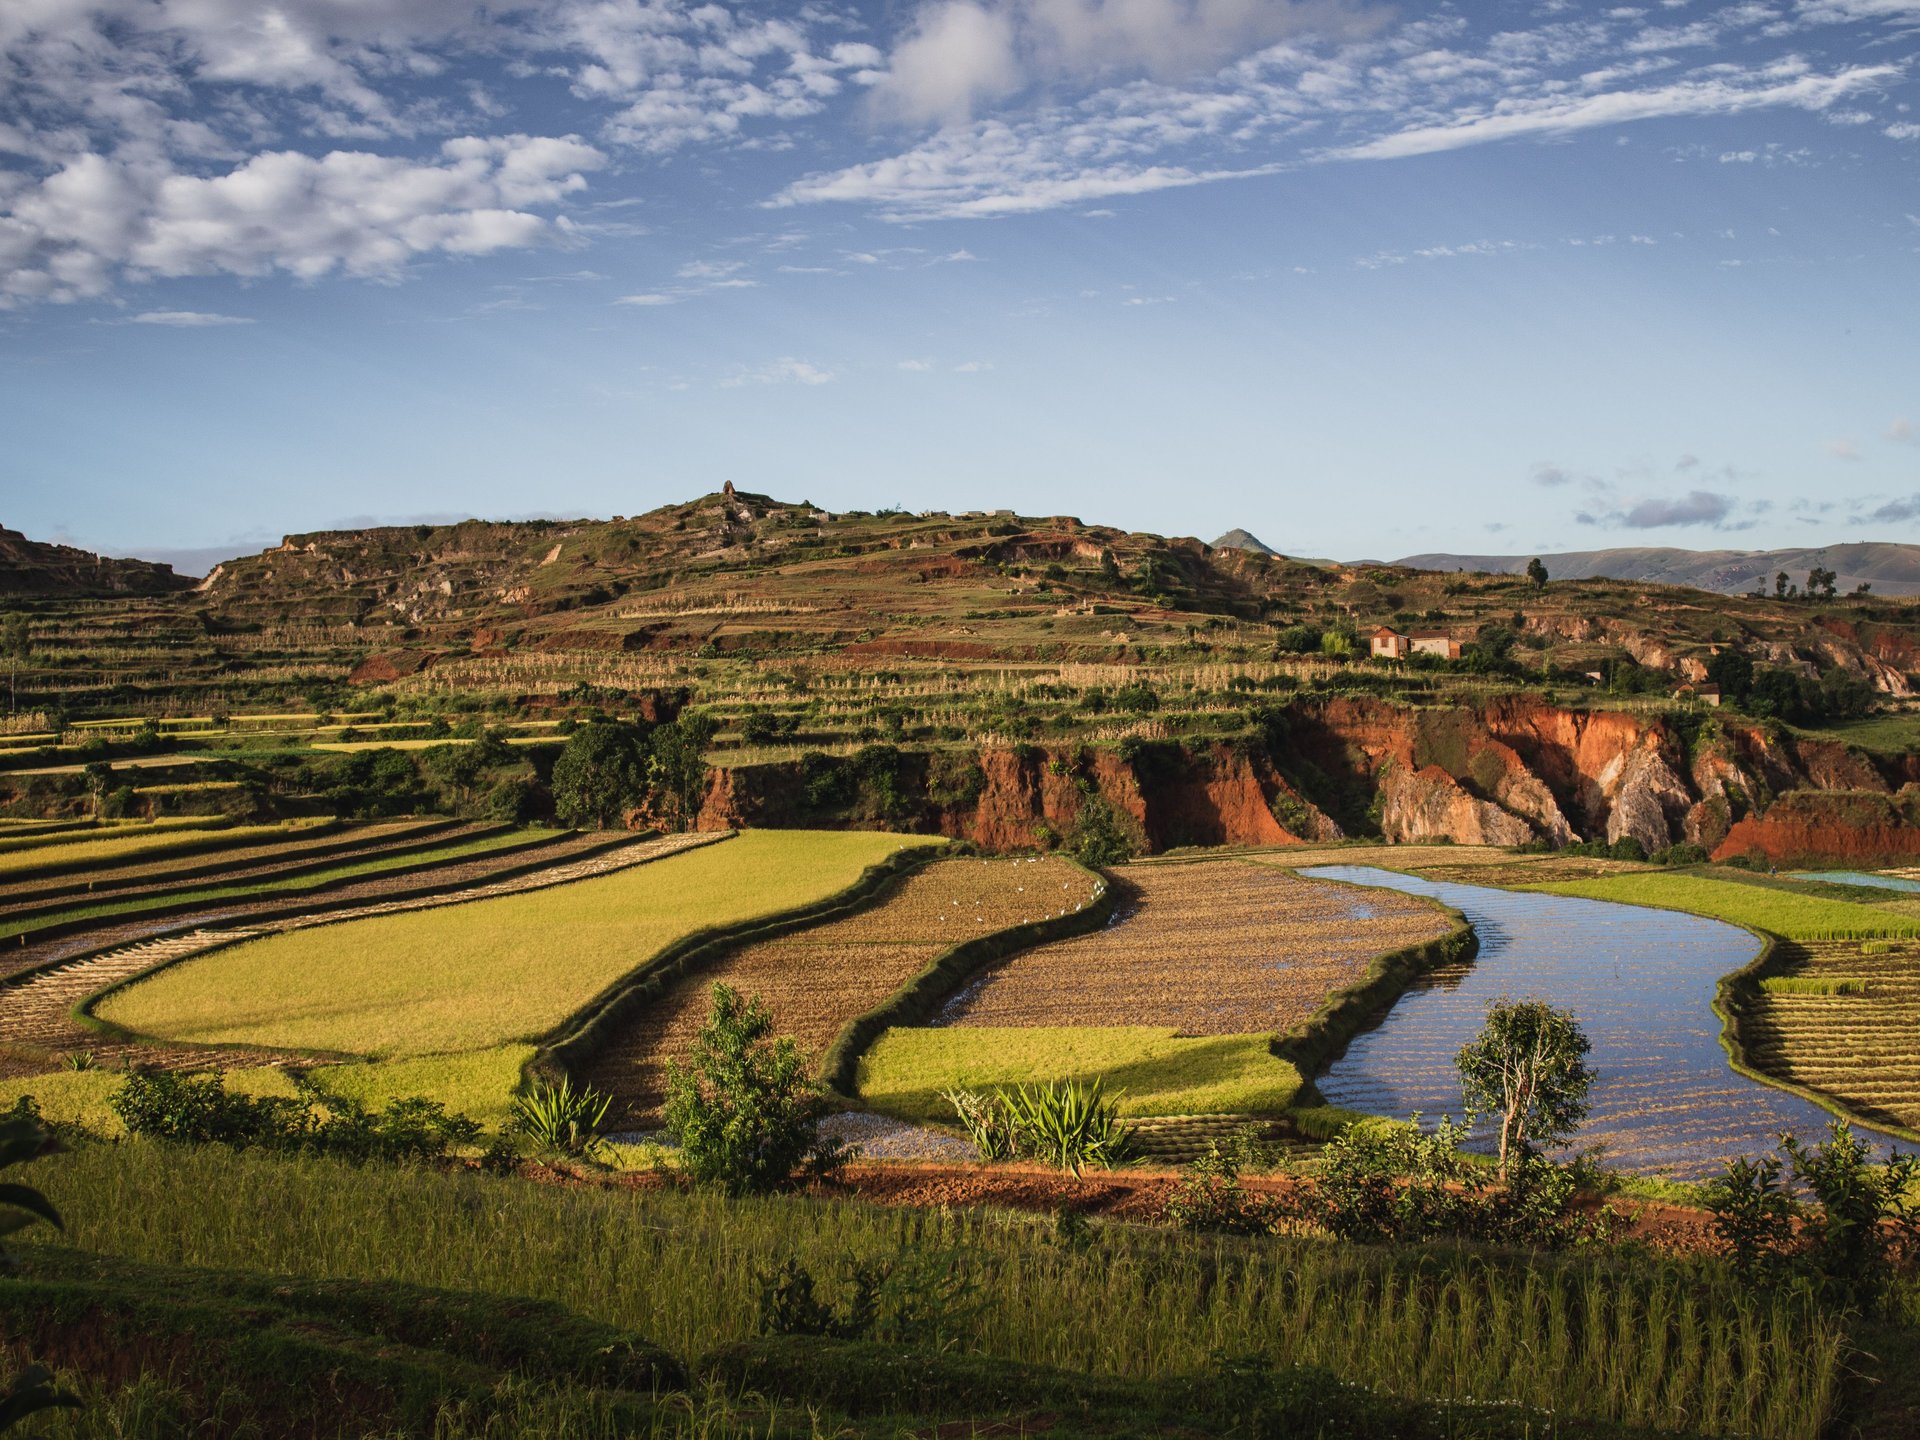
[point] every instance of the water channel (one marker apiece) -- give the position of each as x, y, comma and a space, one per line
1640, 981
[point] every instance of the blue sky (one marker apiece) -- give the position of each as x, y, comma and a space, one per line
1368, 280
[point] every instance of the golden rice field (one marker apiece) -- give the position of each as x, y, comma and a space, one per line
1859, 1042
491, 972
1219, 947
816, 980
42, 855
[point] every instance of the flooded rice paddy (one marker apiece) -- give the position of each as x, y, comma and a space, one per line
1862, 877
1641, 982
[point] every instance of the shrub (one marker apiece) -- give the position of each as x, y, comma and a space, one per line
1099, 837
559, 1117
1211, 1199
1064, 1123
921, 1298
1753, 1216
743, 1108
191, 1110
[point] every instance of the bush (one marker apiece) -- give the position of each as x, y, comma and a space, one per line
917, 1298
742, 1107
1850, 1244
1064, 1124
1211, 1199
191, 1110
1099, 837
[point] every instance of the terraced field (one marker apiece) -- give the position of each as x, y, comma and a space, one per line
36, 1013
1175, 1002
1859, 1042
1213, 948
818, 979
477, 975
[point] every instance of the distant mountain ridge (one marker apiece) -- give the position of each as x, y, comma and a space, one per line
35, 567
1891, 569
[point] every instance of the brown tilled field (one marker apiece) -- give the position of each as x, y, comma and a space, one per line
818, 979
1862, 1049
1219, 947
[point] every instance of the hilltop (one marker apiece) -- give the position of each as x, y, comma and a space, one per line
1890, 569
34, 567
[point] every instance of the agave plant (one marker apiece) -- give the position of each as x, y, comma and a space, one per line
562, 1117
1064, 1123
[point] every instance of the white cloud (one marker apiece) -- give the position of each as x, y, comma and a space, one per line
1563, 115
784, 371
188, 319
960, 56
652, 298
1843, 449
972, 367
70, 234
917, 366
1902, 130
1904, 432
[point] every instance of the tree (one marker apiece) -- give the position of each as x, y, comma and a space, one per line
742, 1106
1529, 1068
601, 772
1780, 586
99, 780
1732, 671
677, 769
1820, 583
1536, 573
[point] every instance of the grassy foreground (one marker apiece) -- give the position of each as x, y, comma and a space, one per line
491, 972
1609, 1336
1150, 1069
1758, 906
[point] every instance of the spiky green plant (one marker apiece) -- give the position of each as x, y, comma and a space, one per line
562, 1117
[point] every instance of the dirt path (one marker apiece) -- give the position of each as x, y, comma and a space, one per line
35, 1014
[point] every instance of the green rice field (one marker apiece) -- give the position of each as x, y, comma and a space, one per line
1150, 1069
1777, 909
492, 972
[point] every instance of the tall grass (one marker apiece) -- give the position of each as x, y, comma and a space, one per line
1610, 1336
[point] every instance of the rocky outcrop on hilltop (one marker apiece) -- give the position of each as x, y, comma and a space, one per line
31, 567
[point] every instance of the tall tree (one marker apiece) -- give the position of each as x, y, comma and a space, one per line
1536, 573
1528, 1067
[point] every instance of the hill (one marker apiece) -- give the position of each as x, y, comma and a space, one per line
1244, 540
1889, 568
34, 567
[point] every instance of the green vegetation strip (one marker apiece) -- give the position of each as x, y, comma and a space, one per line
1149, 1070
1610, 1336
1773, 908
484, 974
172, 902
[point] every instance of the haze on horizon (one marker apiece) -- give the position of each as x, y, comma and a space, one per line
1363, 279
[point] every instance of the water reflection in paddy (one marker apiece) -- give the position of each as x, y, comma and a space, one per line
1641, 983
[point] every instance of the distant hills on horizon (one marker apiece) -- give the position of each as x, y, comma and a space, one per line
1891, 569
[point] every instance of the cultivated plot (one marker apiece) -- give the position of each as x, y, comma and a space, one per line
1212, 948
478, 975
818, 979
1845, 1020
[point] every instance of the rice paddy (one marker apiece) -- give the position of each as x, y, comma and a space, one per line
55, 855
488, 973
1176, 1001
1221, 947
818, 979
1772, 907
1844, 1020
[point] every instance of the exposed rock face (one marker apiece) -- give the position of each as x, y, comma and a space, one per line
1429, 804
1811, 826
1513, 772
